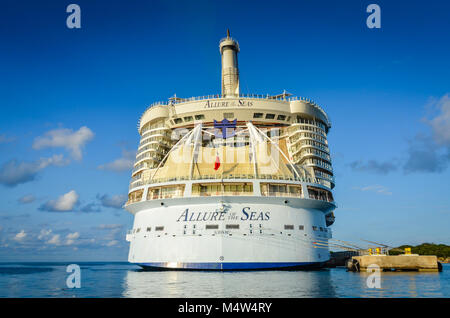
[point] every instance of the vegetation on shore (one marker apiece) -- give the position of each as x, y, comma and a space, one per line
442, 251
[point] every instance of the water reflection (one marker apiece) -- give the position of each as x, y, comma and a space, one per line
229, 284
394, 284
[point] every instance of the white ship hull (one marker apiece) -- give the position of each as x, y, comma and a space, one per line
261, 242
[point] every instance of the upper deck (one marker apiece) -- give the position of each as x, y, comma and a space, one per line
264, 109
231, 144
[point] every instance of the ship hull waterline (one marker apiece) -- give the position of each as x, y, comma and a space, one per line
231, 266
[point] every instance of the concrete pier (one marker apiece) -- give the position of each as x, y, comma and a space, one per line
421, 263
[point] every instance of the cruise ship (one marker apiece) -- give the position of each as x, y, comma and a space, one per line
231, 181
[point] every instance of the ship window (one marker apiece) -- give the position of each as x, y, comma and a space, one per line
149, 229
232, 226
213, 189
301, 227
288, 227
319, 194
321, 229
159, 228
314, 228
289, 118
188, 118
228, 115
165, 192
281, 117
138, 230
135, 196
212, 226
280, 190
258, 115
270, 116
178, 120
199, 117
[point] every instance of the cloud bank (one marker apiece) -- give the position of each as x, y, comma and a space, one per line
425, 153
125, 163
375, 188
64, 203
15, 172
72, 141
373, 166
29, 198
5, 139
115, 201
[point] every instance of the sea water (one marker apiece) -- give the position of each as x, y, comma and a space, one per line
109, 279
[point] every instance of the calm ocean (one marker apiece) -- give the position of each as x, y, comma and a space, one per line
125, 280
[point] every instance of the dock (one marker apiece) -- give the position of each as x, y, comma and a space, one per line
408, 262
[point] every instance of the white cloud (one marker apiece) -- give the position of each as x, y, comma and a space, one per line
20, 236
375, 188
125, 163
27, 199
431, 152
55, 240
115, 201
71, 237
66, 138
441, 123
44, 233
66, 202
112, 243
55, 160
5, 139
14, 172
90, 207
110, 226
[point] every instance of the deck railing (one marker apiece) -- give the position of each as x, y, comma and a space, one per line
320, 181
253, 96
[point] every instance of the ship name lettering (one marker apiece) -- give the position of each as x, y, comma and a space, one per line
239, 102
201, 216
254, 216
210, 104
214, 215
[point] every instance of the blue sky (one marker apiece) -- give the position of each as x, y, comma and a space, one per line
71, 99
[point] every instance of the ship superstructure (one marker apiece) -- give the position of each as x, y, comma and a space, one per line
232, 181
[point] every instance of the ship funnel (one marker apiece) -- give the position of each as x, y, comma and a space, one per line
229, 49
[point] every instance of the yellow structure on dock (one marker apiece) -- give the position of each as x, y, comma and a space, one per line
406, 262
